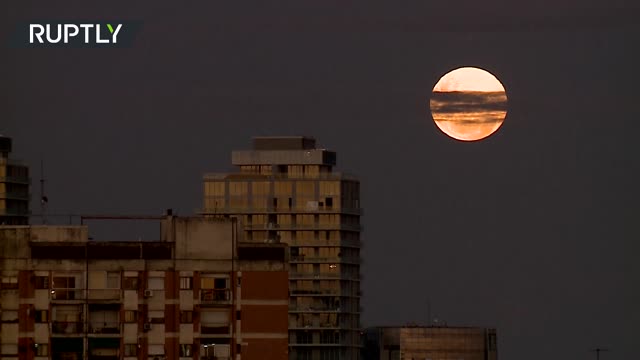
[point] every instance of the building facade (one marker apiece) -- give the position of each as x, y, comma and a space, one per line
429, 343
196, 293
286, 190
14, 187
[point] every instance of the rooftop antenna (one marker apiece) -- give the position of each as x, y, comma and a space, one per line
597, 351
43, 198
429, 312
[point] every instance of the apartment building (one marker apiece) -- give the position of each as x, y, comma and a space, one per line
286, 190
429, 342
195, 293
14, 187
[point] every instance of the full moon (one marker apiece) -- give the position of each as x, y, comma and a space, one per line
468, 104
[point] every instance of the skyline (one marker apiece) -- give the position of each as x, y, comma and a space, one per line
531, 231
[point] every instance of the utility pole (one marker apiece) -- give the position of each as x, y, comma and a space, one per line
597, 351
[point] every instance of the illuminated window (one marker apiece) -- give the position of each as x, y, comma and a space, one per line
186, 283
41, 316
186, 350
130, 316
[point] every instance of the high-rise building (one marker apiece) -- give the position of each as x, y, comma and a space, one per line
429, 342
194, 293
286, 190
14, 187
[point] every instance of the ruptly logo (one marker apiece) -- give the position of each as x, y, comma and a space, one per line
76, 34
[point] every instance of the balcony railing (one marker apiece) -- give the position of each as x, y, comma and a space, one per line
291, 176
319, 292
66, 327
12, 212
105, 294
68, 294
297, 209
273, 226
15, 179
319, 259
294, 308
214, 328
104, 328
321, 276
14, 196
215, 296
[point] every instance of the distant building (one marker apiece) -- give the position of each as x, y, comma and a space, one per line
14, 187
286, 190
429, 343
196, 293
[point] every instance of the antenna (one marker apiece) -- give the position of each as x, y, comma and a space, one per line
428, 312
43, 198
597, 351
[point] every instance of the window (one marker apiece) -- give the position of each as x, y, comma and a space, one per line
238, 315
329, 202
220, 283
9, 282
9, 316
64, 282
42, 282
9, 349
156, 283
186, 283
238, 348
130, 283
42, 349
130, 316
186, 317
156, 349
113, 280
156, 317
213, 282
186, 350
130, 349
41, 316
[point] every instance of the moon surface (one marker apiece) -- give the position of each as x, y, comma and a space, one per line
468, 104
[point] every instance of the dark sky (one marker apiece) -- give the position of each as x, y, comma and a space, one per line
533, 231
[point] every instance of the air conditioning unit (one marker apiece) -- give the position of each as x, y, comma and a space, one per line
148, 293
147, 326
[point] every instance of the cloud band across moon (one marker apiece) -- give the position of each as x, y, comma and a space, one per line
468, 115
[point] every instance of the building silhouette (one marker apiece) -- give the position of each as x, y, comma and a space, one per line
195, 293
429, 342
286, 190
14, 187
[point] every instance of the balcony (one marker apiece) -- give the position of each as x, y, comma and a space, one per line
315, 292
215, 296
15, 179
109, 328
328, 260
288, 227
68, 294
67, 328
105, 294
314, 309
280, 210
215, 329
15, 196
318, 276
